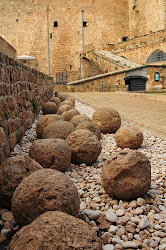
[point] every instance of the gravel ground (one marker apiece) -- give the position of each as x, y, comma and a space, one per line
139, 224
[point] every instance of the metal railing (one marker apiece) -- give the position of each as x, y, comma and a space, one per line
61, 78
112, 88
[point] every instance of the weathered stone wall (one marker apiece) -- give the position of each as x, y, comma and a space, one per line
138, 49
116, 80
7, 49
22, 91
146, 16
24, 25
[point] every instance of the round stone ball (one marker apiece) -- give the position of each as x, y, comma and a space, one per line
107, 119
12, 172
44, 121
71, 99
68, 102
91, 126
126, 175
51, 153
64, 108
129, 137
56, 230
77, 119
61, 96
85, 146
56, 100
69, 114
58, 129
45, 190
49, 108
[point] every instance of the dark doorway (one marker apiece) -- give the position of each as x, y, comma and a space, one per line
136, 83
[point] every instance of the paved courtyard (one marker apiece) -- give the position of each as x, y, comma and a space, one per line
140, 110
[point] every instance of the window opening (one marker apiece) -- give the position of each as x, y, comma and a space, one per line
85, 24
55, 24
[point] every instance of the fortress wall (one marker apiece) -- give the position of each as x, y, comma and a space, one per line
139, 49
7, 49
24, 25
146, 16
22, 91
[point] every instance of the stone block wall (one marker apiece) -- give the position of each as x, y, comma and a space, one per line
22, 91
7, 49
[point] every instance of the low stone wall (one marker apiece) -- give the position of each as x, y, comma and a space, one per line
22, 91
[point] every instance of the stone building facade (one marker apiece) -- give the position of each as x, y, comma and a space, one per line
53, 32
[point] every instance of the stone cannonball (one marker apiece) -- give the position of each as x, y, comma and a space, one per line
61, 96
85, 146
49, 108
68, 102
69, 114
129, 137
51, 153
126, 175
58, 129
44, 121
77, 119
56, 230
91, 126
71, 99
107, 119
56, 100
64, 108
12, 172
45, 190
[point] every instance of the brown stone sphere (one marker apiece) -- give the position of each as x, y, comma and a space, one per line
77, 119
61, 96
58, 129
107, 119
55, 230
49, 108
51, 153
56, 100
12, 172
69, 114
85, 146
45, 190
44, 121
71, 99
129, 137
68, 102
64, 108
126, 175
91, 126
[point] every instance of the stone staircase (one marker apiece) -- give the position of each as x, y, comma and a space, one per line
123, 62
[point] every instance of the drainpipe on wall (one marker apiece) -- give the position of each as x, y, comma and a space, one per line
82, 31
48, 41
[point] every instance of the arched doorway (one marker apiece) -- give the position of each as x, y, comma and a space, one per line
136, 83
156, 56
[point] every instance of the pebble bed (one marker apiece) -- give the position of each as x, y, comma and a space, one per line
139, 224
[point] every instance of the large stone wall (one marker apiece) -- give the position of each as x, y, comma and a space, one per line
146, 16
22, 91
139, 48
7, 49
24, 26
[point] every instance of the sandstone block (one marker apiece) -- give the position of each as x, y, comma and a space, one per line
49, 108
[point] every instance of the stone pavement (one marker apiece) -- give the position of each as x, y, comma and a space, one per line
137, 109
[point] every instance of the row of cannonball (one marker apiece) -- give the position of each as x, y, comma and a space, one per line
50, 190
